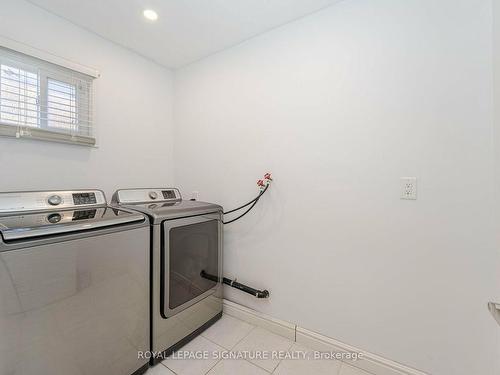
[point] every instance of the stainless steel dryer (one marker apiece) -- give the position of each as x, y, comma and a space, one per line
74, 285
186, 243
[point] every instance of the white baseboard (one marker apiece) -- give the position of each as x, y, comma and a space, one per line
370, 362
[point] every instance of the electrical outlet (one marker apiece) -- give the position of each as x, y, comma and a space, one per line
408, 188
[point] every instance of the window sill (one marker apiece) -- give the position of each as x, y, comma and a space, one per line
17, 132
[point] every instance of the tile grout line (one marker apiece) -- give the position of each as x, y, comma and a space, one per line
293, 343
259, 367
220, 346
234, 346
213, 342
168, 368
215, 364
340, 367
248, 334
254, 364
281, 360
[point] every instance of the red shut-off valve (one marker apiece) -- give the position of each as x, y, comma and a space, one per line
262, 184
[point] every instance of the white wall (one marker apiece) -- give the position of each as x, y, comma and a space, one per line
496, 76
133, 113
339, 106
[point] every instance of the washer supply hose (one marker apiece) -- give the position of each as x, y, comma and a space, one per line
263, 185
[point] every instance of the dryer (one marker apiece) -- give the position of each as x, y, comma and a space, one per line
186, 245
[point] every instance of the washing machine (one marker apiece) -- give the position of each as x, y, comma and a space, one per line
74, 285
186, 264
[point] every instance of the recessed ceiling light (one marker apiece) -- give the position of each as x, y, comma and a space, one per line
150, 14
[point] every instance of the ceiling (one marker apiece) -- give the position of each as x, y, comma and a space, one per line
186, 30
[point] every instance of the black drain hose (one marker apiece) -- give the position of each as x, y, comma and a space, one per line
244, 288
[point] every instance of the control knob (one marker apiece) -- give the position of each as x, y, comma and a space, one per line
55, 200
153, 194
54, 218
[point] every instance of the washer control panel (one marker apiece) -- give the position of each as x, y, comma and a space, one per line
25, 201
146, 195
84, 199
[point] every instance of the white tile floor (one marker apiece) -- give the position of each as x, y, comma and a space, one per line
233, 335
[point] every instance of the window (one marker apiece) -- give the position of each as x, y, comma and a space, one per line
19, 92
45, 101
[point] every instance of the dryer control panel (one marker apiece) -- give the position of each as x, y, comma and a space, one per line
146, 195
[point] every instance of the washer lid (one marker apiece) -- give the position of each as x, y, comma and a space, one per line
24, 226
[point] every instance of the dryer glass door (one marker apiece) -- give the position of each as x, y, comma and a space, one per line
190, 252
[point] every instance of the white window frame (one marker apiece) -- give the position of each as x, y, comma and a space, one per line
44, 87
46, 64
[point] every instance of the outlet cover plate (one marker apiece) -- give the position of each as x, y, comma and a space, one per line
408, 188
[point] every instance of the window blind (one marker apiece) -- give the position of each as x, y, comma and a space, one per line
42, 100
